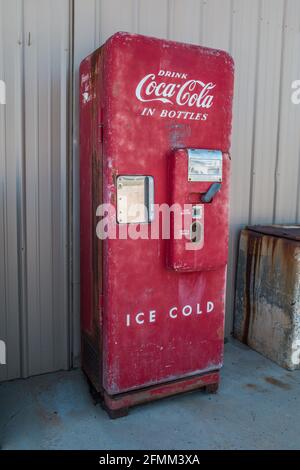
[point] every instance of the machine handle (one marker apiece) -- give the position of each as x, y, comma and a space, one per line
212, 191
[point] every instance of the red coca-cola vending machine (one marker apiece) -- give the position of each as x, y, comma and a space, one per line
155, 124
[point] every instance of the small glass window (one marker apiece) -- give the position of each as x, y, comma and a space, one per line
205, 165
135, 199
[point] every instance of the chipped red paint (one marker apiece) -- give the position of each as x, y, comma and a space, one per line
120, 136
156, 392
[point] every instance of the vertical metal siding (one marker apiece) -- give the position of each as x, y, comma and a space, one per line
10, 174
45, 65
266, 114
263, 37
244, 48
287, 177
34, 265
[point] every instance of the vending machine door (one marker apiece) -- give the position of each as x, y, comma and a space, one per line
199, 181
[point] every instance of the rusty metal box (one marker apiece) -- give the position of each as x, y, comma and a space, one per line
267, 308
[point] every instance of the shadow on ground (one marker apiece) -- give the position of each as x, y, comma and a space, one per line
257, 407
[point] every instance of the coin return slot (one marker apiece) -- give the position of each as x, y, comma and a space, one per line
195, 232
197, 212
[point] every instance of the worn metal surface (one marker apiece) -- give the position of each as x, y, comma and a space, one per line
291, 232
156, 392
149, 323
268, 294
34, 57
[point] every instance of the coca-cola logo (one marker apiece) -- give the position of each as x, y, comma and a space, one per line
187, 93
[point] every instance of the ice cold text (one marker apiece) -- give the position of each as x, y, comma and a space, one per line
147, 317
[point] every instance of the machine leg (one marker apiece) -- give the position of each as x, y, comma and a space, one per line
96, 396
99, 399
115, 414
212, 388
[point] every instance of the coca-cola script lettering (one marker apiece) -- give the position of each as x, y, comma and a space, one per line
189, 93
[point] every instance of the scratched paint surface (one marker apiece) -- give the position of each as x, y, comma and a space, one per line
268, 293
144, 322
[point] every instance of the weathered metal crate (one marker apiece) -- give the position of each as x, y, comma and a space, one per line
267, 307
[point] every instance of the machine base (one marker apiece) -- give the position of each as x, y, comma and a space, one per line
118, 405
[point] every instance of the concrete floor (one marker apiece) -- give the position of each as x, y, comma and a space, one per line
257, 407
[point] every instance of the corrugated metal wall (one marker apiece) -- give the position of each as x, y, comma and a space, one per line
34, 58
264, 39
10, 185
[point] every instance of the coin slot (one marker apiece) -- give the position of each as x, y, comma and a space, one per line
195, 232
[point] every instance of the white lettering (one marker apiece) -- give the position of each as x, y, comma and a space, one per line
173, 315
187, 310
190, 93
2, 92
148, 112
2, 353
149, 88
137, 318
296, 94
182, 115
152, 316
